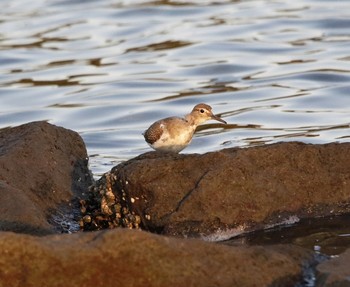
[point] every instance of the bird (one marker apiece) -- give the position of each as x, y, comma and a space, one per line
173, 134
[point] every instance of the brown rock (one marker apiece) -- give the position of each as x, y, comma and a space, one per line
335, 272
124, 257
42, 168
232, 189
19, 214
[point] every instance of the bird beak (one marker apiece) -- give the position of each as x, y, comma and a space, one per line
214, 117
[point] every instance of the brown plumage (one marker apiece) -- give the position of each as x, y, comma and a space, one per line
175, 133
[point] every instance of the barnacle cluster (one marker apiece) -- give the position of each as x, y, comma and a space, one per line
108, 206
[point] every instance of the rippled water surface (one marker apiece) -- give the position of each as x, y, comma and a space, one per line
274, 70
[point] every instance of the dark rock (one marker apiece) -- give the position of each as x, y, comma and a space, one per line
43, 167
233, 189
335, 272
20, 214
124, 257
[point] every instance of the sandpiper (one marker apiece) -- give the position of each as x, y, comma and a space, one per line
174, 134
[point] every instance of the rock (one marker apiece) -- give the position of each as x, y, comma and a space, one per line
122, 257
43, 167
20, 214
226, 191
335, 272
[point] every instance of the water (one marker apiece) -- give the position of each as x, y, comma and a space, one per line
275, 70
328, 235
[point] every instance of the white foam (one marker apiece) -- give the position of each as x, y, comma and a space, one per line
288, 221
221, 235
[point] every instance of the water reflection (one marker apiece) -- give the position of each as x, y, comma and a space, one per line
328, 235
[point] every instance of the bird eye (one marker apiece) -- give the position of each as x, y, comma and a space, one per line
202, 111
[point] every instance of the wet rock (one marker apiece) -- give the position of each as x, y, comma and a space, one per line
334, 272
43, 167
123, 257
222, 192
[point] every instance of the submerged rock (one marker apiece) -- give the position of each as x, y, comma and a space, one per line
228, 191
43, 168
335, 272
123, 257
